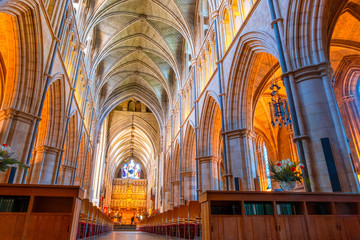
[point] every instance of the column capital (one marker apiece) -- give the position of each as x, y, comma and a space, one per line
66, 167
193, 61
49, 149
244, 132
188, 174
82, 46
311, 72
300, 138
18, 115
346, 99
208, 159
214, 15
229, 8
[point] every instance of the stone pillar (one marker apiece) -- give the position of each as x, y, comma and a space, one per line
242, 158
43, 166
209, 173
176, 193
167, 199
321, 119
189, 185
66, 173
16, 129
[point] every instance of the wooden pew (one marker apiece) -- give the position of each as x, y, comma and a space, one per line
39, 211
279, 215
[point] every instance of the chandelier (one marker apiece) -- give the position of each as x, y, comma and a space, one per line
279, 108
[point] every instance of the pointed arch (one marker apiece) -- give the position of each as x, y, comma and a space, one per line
241, 85
189, 163
22, 24
210, 127
70, 151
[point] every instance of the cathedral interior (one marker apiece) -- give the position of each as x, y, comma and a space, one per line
168, 114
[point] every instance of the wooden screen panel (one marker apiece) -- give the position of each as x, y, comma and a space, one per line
260, 227
11, 225
292, 227
47, 227
227, 228
323, 227
349, 227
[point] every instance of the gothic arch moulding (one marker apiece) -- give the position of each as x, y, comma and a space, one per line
25, 80
242, 82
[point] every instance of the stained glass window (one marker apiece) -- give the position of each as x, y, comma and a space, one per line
125, 171
266, 160
131, 170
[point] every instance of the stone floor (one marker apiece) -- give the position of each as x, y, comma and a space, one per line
122, 235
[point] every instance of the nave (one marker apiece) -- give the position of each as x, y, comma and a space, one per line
179, 117
131, 236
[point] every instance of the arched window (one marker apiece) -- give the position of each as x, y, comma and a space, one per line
187, 57
131, 106
204, 17
236, 14
131, 170
246, 7
266, 161
227, 29
138, 107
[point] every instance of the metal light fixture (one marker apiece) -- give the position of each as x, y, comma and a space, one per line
132, 136
279, 108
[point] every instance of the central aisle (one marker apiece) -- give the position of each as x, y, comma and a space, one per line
123, 235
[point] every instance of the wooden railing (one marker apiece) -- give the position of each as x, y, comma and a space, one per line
282, 215
181, 222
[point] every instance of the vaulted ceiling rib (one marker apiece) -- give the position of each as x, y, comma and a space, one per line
139, 42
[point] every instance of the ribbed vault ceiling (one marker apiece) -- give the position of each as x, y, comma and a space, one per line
145, 142
138, 43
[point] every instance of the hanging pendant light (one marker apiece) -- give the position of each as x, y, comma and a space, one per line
279, 108
132, 136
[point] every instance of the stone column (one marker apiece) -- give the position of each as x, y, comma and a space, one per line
189, 185
321, 119
242, 158
167, 204
66, 173
209, 173
16, 129
176, 193
44, 165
